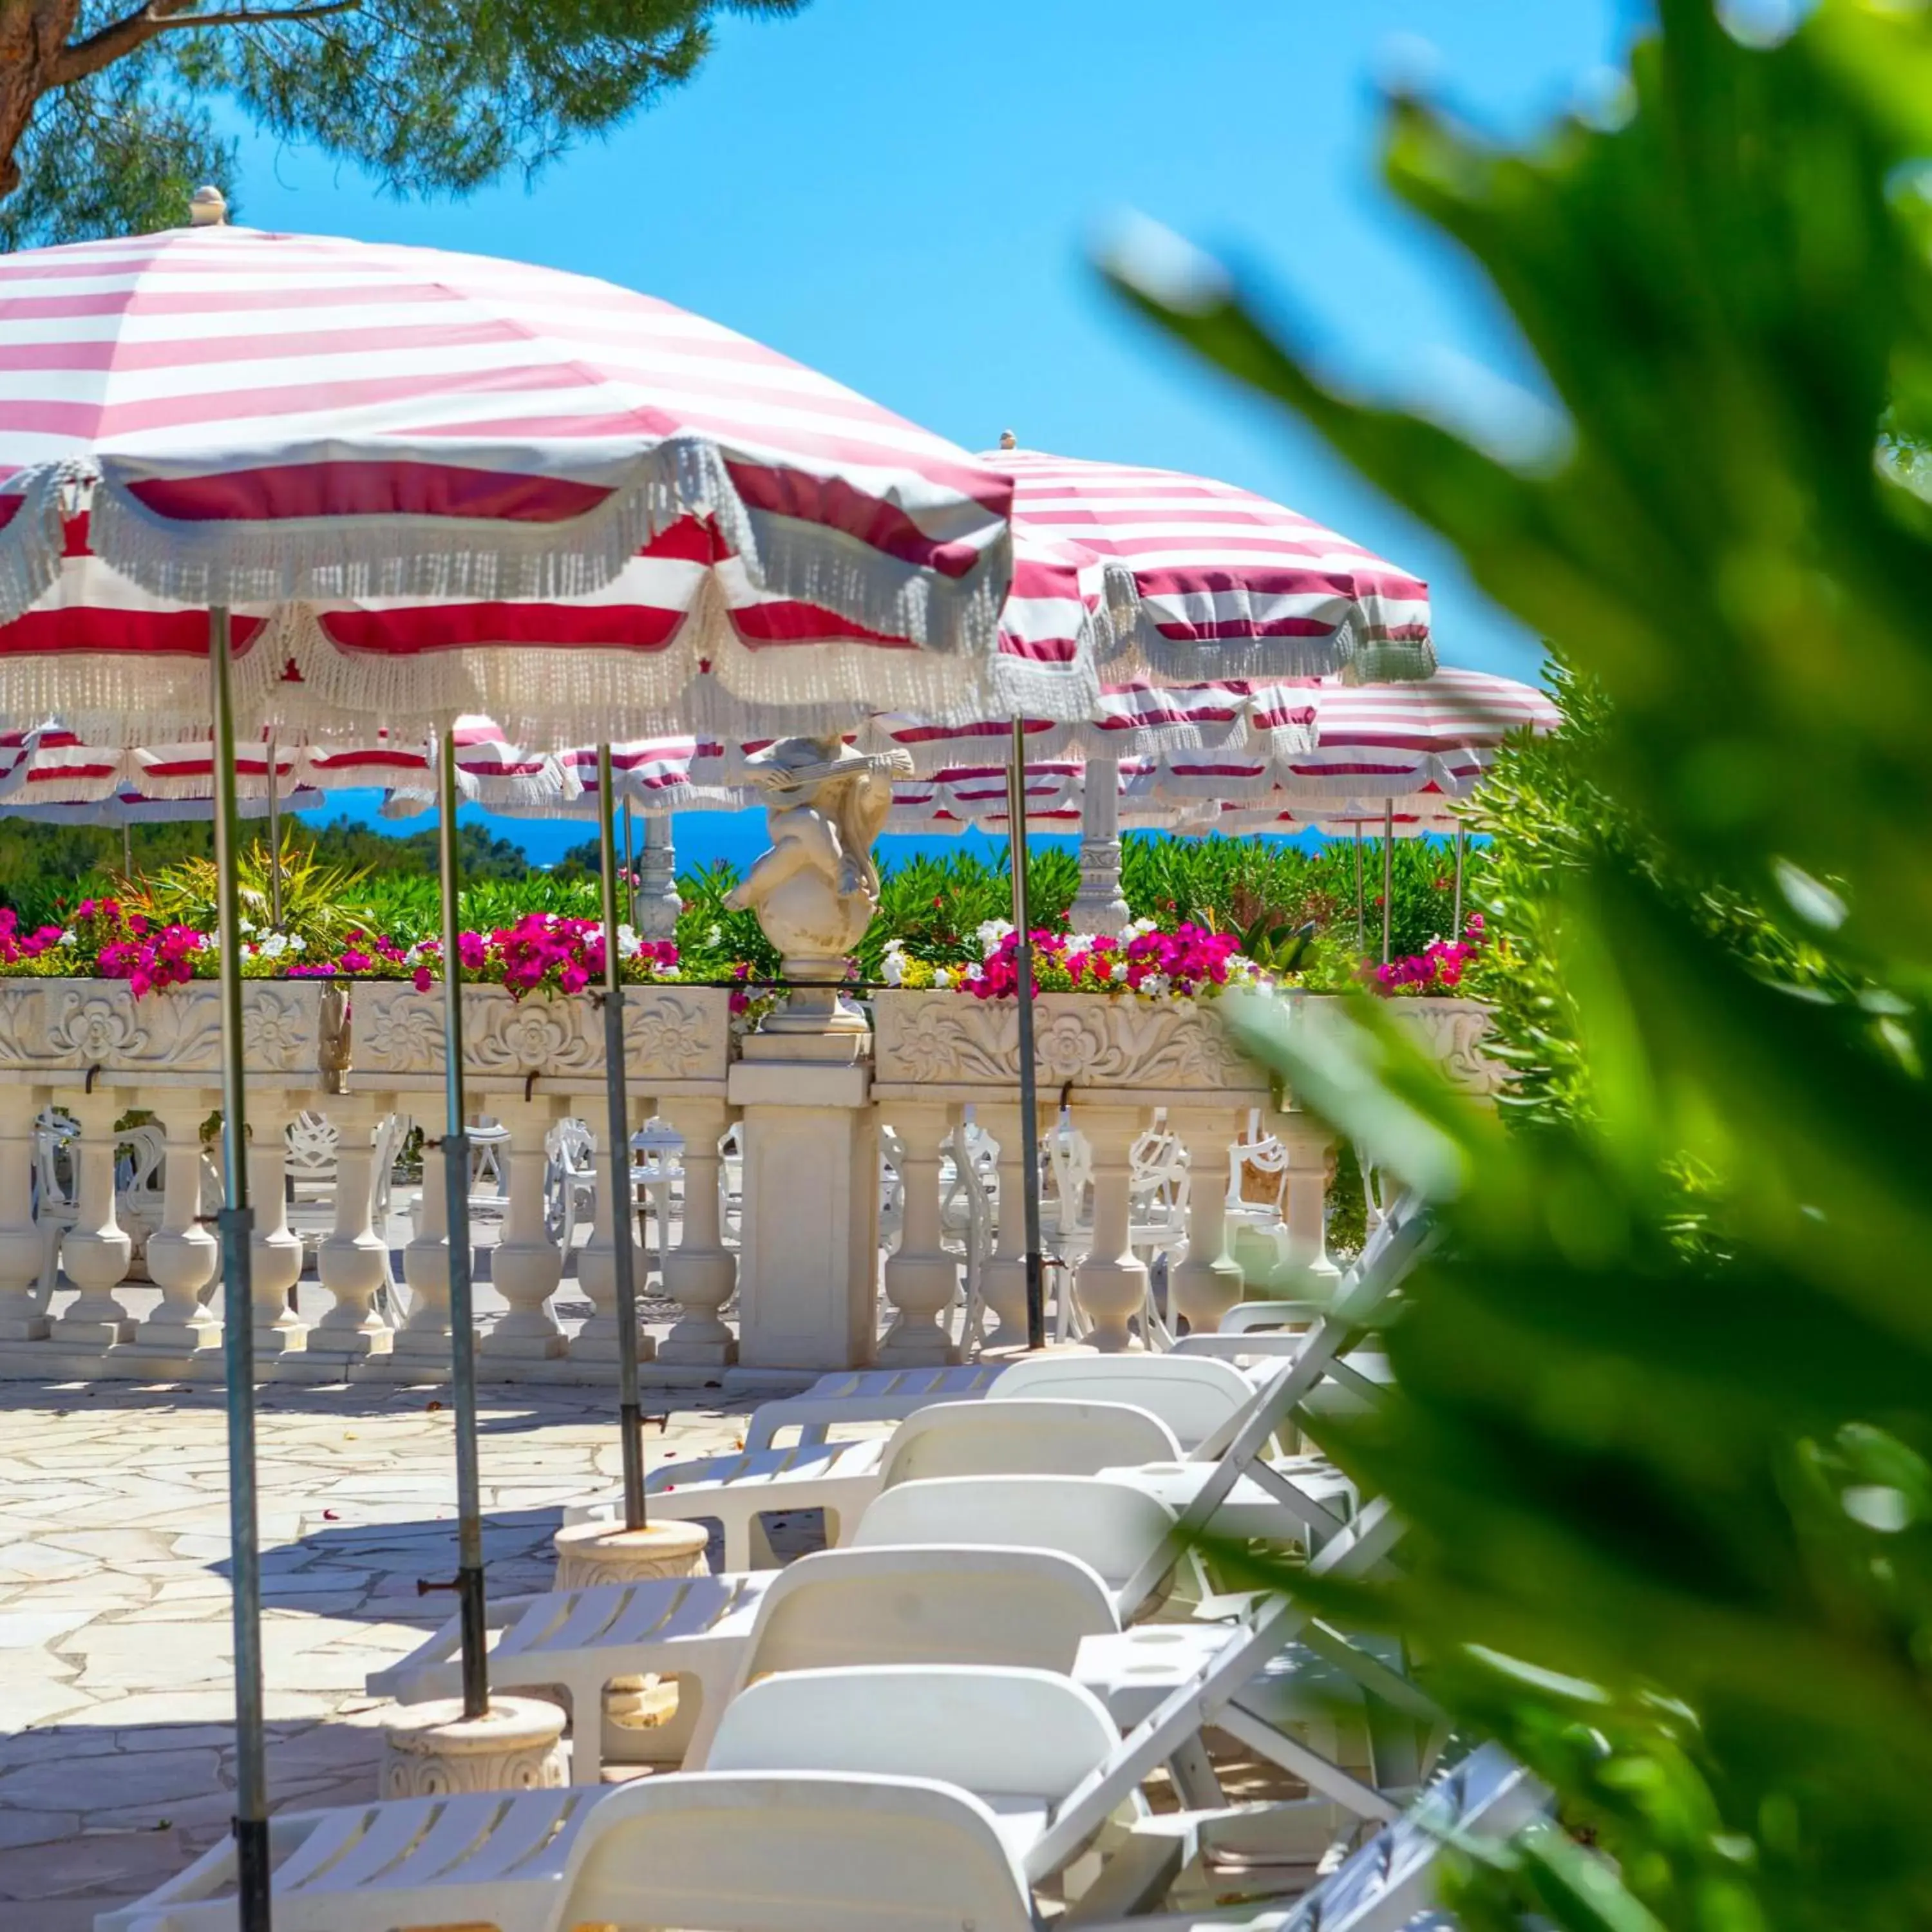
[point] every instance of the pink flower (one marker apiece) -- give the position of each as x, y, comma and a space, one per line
424, 979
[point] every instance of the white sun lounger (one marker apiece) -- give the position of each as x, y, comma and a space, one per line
1209, 1400
922, 1603
837, 1797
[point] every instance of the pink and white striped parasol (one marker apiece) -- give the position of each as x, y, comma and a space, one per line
283, 424
1205, 581
1388, 741
50, 766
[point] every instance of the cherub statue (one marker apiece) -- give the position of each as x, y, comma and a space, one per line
815, 891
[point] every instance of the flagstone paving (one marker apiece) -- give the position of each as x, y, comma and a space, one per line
116, 1756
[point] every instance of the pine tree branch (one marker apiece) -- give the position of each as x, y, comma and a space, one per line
123, 37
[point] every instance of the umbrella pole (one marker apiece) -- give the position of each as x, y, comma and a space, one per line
274, 840
1035, 1271
1388, 871
631, 880
1460, 835
238, 1226
462, 1316
1361, 896
126, 848
623, 1254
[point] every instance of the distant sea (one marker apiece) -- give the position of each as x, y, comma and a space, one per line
699, 837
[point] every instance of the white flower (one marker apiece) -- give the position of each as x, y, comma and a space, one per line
990, 932
274, 946
1135, 928
298, 944
69, 937
715, 937
891, 966
974, 974
247, 925
1118, 971
670, 972
628, 943
1155, 985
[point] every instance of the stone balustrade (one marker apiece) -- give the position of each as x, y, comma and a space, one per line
809, 1115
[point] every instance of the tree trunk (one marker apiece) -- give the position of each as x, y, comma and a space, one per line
33, 34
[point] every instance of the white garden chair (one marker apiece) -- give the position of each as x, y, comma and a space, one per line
570, 1181
657, 1173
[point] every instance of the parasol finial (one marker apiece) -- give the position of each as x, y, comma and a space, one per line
1008, 440
207, 208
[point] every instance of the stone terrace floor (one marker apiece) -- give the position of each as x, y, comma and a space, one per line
116, 1764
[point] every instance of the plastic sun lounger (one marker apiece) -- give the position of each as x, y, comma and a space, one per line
864, 1395
1203, 1402
897, 1604
836, 1797
696, 1630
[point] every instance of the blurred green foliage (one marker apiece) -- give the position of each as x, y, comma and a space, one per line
1671, 1502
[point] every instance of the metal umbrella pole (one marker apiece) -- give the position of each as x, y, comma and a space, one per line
1036, 1267
126, 848
274, 840
1388, 870
631, 880
1361, 896
618, 1122
462, 1315
1461, 835
237, 1223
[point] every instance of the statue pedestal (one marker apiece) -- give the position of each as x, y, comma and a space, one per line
808, 1260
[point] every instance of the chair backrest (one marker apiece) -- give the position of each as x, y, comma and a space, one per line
790, 1851
1000, 1733
313, 1142
1023, 1438
1113, 1527
927, 1603
1194, 1396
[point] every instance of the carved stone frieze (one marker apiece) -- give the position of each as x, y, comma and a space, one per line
66, 1024
670, 1033
948, 1039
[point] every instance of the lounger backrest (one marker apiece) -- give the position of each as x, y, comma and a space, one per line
1112, 1526
1001, 1733
1193, 1396
927, 1603
791, 1852
1025, 1439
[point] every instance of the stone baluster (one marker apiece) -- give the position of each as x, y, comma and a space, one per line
1310, 1149
423, 1336
275, 1252
921, 1276
1099, 905
352, 1259
95, 1251
1003, 1280
702, 1271
1110, 1282
596, 1341
1207, 1282
22, 1243
527, 1264
183, 1254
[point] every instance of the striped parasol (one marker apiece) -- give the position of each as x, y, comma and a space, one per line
287, 425
1203, 580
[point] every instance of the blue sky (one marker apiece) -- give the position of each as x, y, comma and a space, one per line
907, 196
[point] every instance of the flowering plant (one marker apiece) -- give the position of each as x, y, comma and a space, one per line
541, 952
1436, 970
1189, 963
